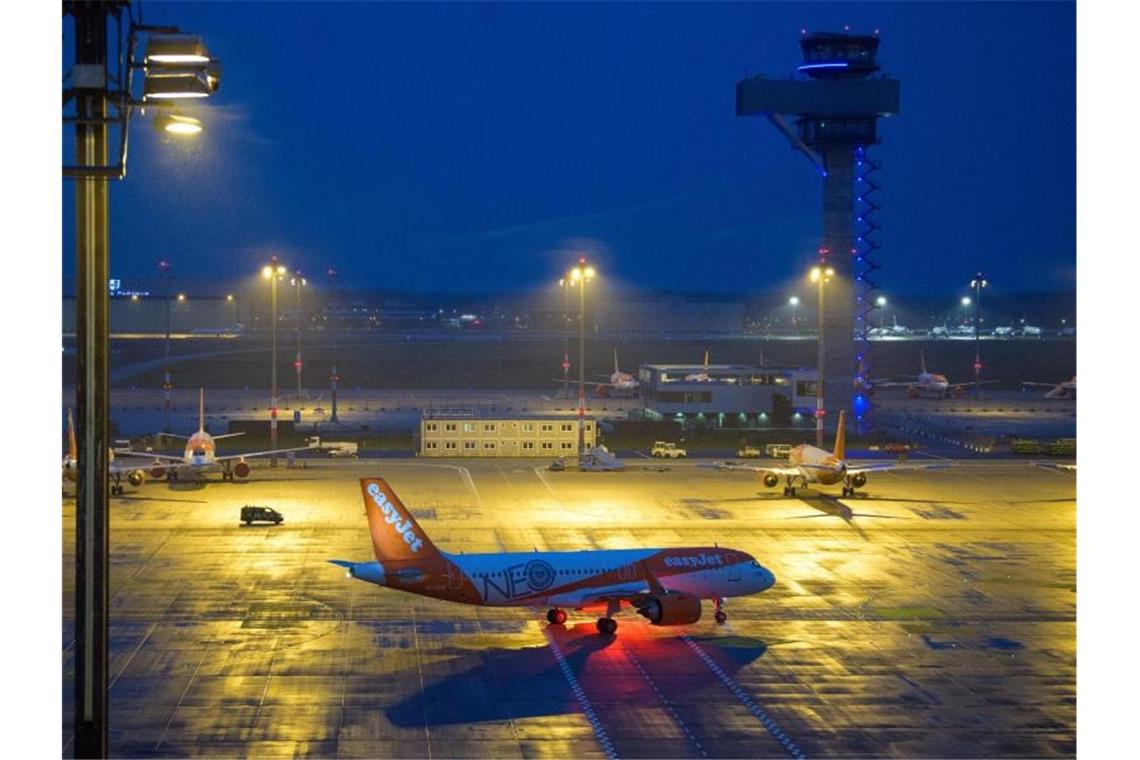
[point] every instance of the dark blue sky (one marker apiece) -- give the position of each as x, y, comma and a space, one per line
476, 146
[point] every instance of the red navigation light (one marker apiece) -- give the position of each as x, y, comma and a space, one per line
977, 366
819, 413
297, 365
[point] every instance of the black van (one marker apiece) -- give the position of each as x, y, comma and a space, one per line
250, 513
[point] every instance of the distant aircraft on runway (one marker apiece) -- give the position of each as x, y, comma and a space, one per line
929, 384
665, 586
1067, 389
808, 464
116, 469
200, 454
619, 382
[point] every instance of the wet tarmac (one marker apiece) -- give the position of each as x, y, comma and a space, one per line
933, 617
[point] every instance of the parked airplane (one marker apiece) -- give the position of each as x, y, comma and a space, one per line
665, 586
1067, 389
808, 464
929, 384
116, 470
200, 454
619, 382
703, 375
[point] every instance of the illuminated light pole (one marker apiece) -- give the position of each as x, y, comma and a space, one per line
978, 283
881, 301
794, 301
100, 93
579, 276
273, 271
298, 282
230, 298
820, 275
565, 337
332, 275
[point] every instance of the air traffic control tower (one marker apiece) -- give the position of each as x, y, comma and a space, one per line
834, 105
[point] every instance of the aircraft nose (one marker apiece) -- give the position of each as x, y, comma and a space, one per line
766, 578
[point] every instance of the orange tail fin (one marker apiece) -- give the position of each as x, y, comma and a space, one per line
72, 448
201, 410
396, 536
841, 436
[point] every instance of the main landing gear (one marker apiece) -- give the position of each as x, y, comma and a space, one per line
721, 616
607, 626
116, 490
555, 616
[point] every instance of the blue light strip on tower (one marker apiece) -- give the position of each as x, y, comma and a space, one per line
808, 66
866, 246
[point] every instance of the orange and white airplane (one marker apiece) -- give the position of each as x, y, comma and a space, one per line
116, 470
809, 464
703, 375
619, 382
1067, 389
929, 384
665, 586
200, 454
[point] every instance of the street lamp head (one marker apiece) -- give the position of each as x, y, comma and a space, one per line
229, 296
966, 300
881, 301
181, 296
575, 275
589, 273
267, 271
794, 300
135, 297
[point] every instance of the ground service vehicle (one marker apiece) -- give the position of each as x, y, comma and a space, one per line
667, 449
748, 452
251, 513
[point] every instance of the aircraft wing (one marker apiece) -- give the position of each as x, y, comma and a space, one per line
149, 455
590, 382
254, 454
781, 471
856, 469
968, 383
585, 597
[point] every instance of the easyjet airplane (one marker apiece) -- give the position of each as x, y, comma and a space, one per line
116, 470
665, 586
620, 383
200, 454
809, 464
929, 384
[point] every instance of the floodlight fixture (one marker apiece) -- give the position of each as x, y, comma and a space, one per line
176, 86
167, 49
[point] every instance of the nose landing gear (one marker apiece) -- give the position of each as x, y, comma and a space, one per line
721, 616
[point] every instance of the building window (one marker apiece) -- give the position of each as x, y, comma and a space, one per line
547, 427
450, 427
430, 445
449, 445
567, 445
468, 427
432, 427
567, 427
528, 427
528, 445
469, 445
805, 387
488, 427
488, 445
547, 445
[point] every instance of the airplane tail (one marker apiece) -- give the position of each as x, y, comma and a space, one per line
396, 536
922, 357
201, 410
72, 448
706, 360
841, 437
616, 370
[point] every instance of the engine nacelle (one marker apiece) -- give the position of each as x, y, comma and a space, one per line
241, 470
69, 470
676, 608
158, 472
771, 479
136, 477
859, 479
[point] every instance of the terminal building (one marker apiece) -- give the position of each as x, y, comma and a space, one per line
467, 433
726, 395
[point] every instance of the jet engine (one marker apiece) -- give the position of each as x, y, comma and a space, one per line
157, 471
676, 608
136, 477
859, 479
771, 480
241, 470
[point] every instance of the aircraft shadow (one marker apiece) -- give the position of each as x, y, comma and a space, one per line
524, 683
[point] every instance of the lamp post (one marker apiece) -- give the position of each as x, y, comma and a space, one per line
794, 301
100, 93
565, 337
579, 276
165, 275
978, 283
298, 282
231, 299
332, 275
273, 271
820, 275
881, 302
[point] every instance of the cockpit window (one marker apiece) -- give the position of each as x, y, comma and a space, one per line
755, 563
